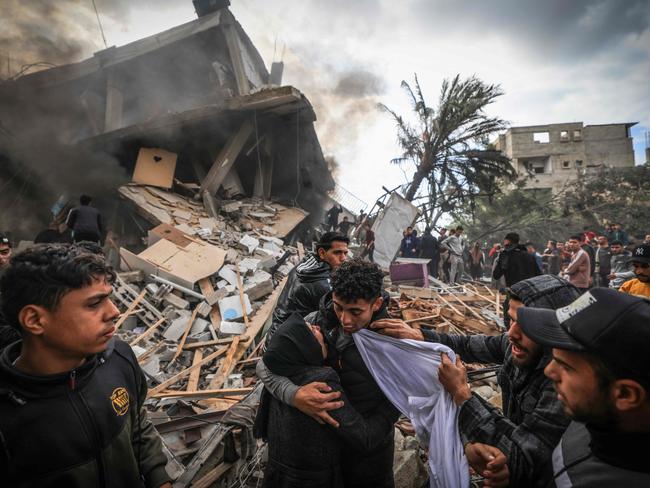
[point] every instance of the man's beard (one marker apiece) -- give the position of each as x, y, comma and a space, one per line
599, 412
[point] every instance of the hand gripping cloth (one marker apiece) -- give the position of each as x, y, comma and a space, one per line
407, 373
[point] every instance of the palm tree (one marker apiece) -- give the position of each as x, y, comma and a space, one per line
449, 145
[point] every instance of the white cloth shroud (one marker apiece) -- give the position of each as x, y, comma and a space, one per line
407, 373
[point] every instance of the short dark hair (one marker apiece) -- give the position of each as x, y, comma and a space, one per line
43, 274
616, 243
513, 237
607, 372
328, 238
553, 242
575, 237
460, 227
357, 279
85, 199
529, 244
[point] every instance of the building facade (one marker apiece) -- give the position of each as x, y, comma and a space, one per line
549, 156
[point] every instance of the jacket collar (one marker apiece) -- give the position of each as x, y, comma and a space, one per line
627, 450
35, 386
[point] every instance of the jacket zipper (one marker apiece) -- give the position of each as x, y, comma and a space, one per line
101, 470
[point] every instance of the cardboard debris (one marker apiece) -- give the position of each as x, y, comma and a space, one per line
155, 167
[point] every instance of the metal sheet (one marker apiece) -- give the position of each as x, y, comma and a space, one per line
396, 216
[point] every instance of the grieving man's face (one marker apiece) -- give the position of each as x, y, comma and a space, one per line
5, 255
524, 351
642, 271
355, 315
578, 389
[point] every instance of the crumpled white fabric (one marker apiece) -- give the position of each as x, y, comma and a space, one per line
407, 373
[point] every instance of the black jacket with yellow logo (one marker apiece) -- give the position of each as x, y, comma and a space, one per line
84, 428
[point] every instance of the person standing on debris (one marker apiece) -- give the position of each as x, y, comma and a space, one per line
514, 264
621, 267
332, 217
85, 221
551, 258
344, 226
601, 372
532, 421
618, 234
71, 396
641, 263
454, 245
5, 251
530, 247
429, 250
409, 245
369, 248
309, 281
603, 263
476, 261
355, 301
303, 453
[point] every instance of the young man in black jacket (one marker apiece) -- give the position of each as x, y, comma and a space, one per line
71, 396
309, 281
601, 371
355, 301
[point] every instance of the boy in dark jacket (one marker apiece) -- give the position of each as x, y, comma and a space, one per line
71, 396
356, 300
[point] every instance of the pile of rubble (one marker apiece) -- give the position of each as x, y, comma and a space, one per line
196, 301
470, 308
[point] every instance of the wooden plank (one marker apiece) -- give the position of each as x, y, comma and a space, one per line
203, 393
226, 367
215, 315
149, 332
130, 309
211, 357
211, 476
195, 376
197, 345
226, 158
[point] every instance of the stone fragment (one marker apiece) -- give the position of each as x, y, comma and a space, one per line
232, 328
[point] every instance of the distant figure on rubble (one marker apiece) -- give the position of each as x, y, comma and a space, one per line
356, 300
5, 251
85, 221
532, 421
429, 249
476, 261
454, 244
332, 217
344, 226
369, 248
409, 245
71, 396
309, 281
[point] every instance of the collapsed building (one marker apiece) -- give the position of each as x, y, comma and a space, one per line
200, 91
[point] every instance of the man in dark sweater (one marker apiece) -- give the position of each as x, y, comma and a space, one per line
532, 421
601, 371
429, 249
309, 281
71, 396
85, 221
356, 300
514, 263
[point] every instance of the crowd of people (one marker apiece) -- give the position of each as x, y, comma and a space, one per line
573, 369
587, 259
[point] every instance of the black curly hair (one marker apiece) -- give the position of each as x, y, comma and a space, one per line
357, 279
43, 274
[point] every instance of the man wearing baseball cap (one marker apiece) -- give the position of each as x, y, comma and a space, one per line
641, 263
601, 372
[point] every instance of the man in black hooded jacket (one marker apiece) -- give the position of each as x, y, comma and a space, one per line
309, 281
71, 396
356, 300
